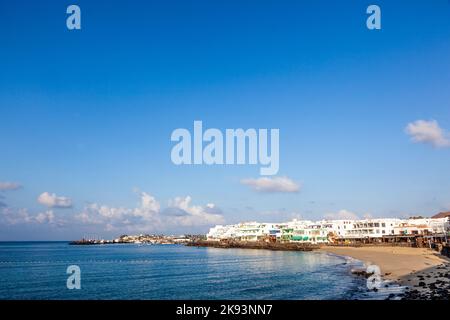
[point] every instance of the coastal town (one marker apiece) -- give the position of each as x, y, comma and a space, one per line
140, 239
414, 231
412, 253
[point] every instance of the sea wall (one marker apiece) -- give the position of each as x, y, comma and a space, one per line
255, 245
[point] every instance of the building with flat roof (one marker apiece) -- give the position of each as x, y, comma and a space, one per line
329, 231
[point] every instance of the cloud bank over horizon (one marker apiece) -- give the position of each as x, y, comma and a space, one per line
146, 217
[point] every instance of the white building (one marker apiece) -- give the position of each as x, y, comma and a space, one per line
329, 230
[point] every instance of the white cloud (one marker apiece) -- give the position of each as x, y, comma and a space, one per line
45, 217
53, 201
367, 216
281, 214
13, 216
148, 216
272, 185
149, 202
422, 131
194, 215
9, 186
342, 215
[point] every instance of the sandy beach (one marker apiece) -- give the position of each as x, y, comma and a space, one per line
425, 272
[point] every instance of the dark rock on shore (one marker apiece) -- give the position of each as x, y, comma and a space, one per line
289, 246
362, 273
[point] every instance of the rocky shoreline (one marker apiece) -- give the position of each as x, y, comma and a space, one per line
423, 273
429, 284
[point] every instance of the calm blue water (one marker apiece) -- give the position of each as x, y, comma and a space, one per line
37, 270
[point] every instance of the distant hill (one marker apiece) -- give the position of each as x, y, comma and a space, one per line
442, 215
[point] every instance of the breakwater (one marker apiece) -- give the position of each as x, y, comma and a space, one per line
276, 246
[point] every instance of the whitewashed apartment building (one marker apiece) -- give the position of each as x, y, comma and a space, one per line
326, 231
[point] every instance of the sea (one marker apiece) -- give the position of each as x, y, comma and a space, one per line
39, 270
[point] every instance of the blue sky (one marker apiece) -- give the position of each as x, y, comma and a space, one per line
86, 115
